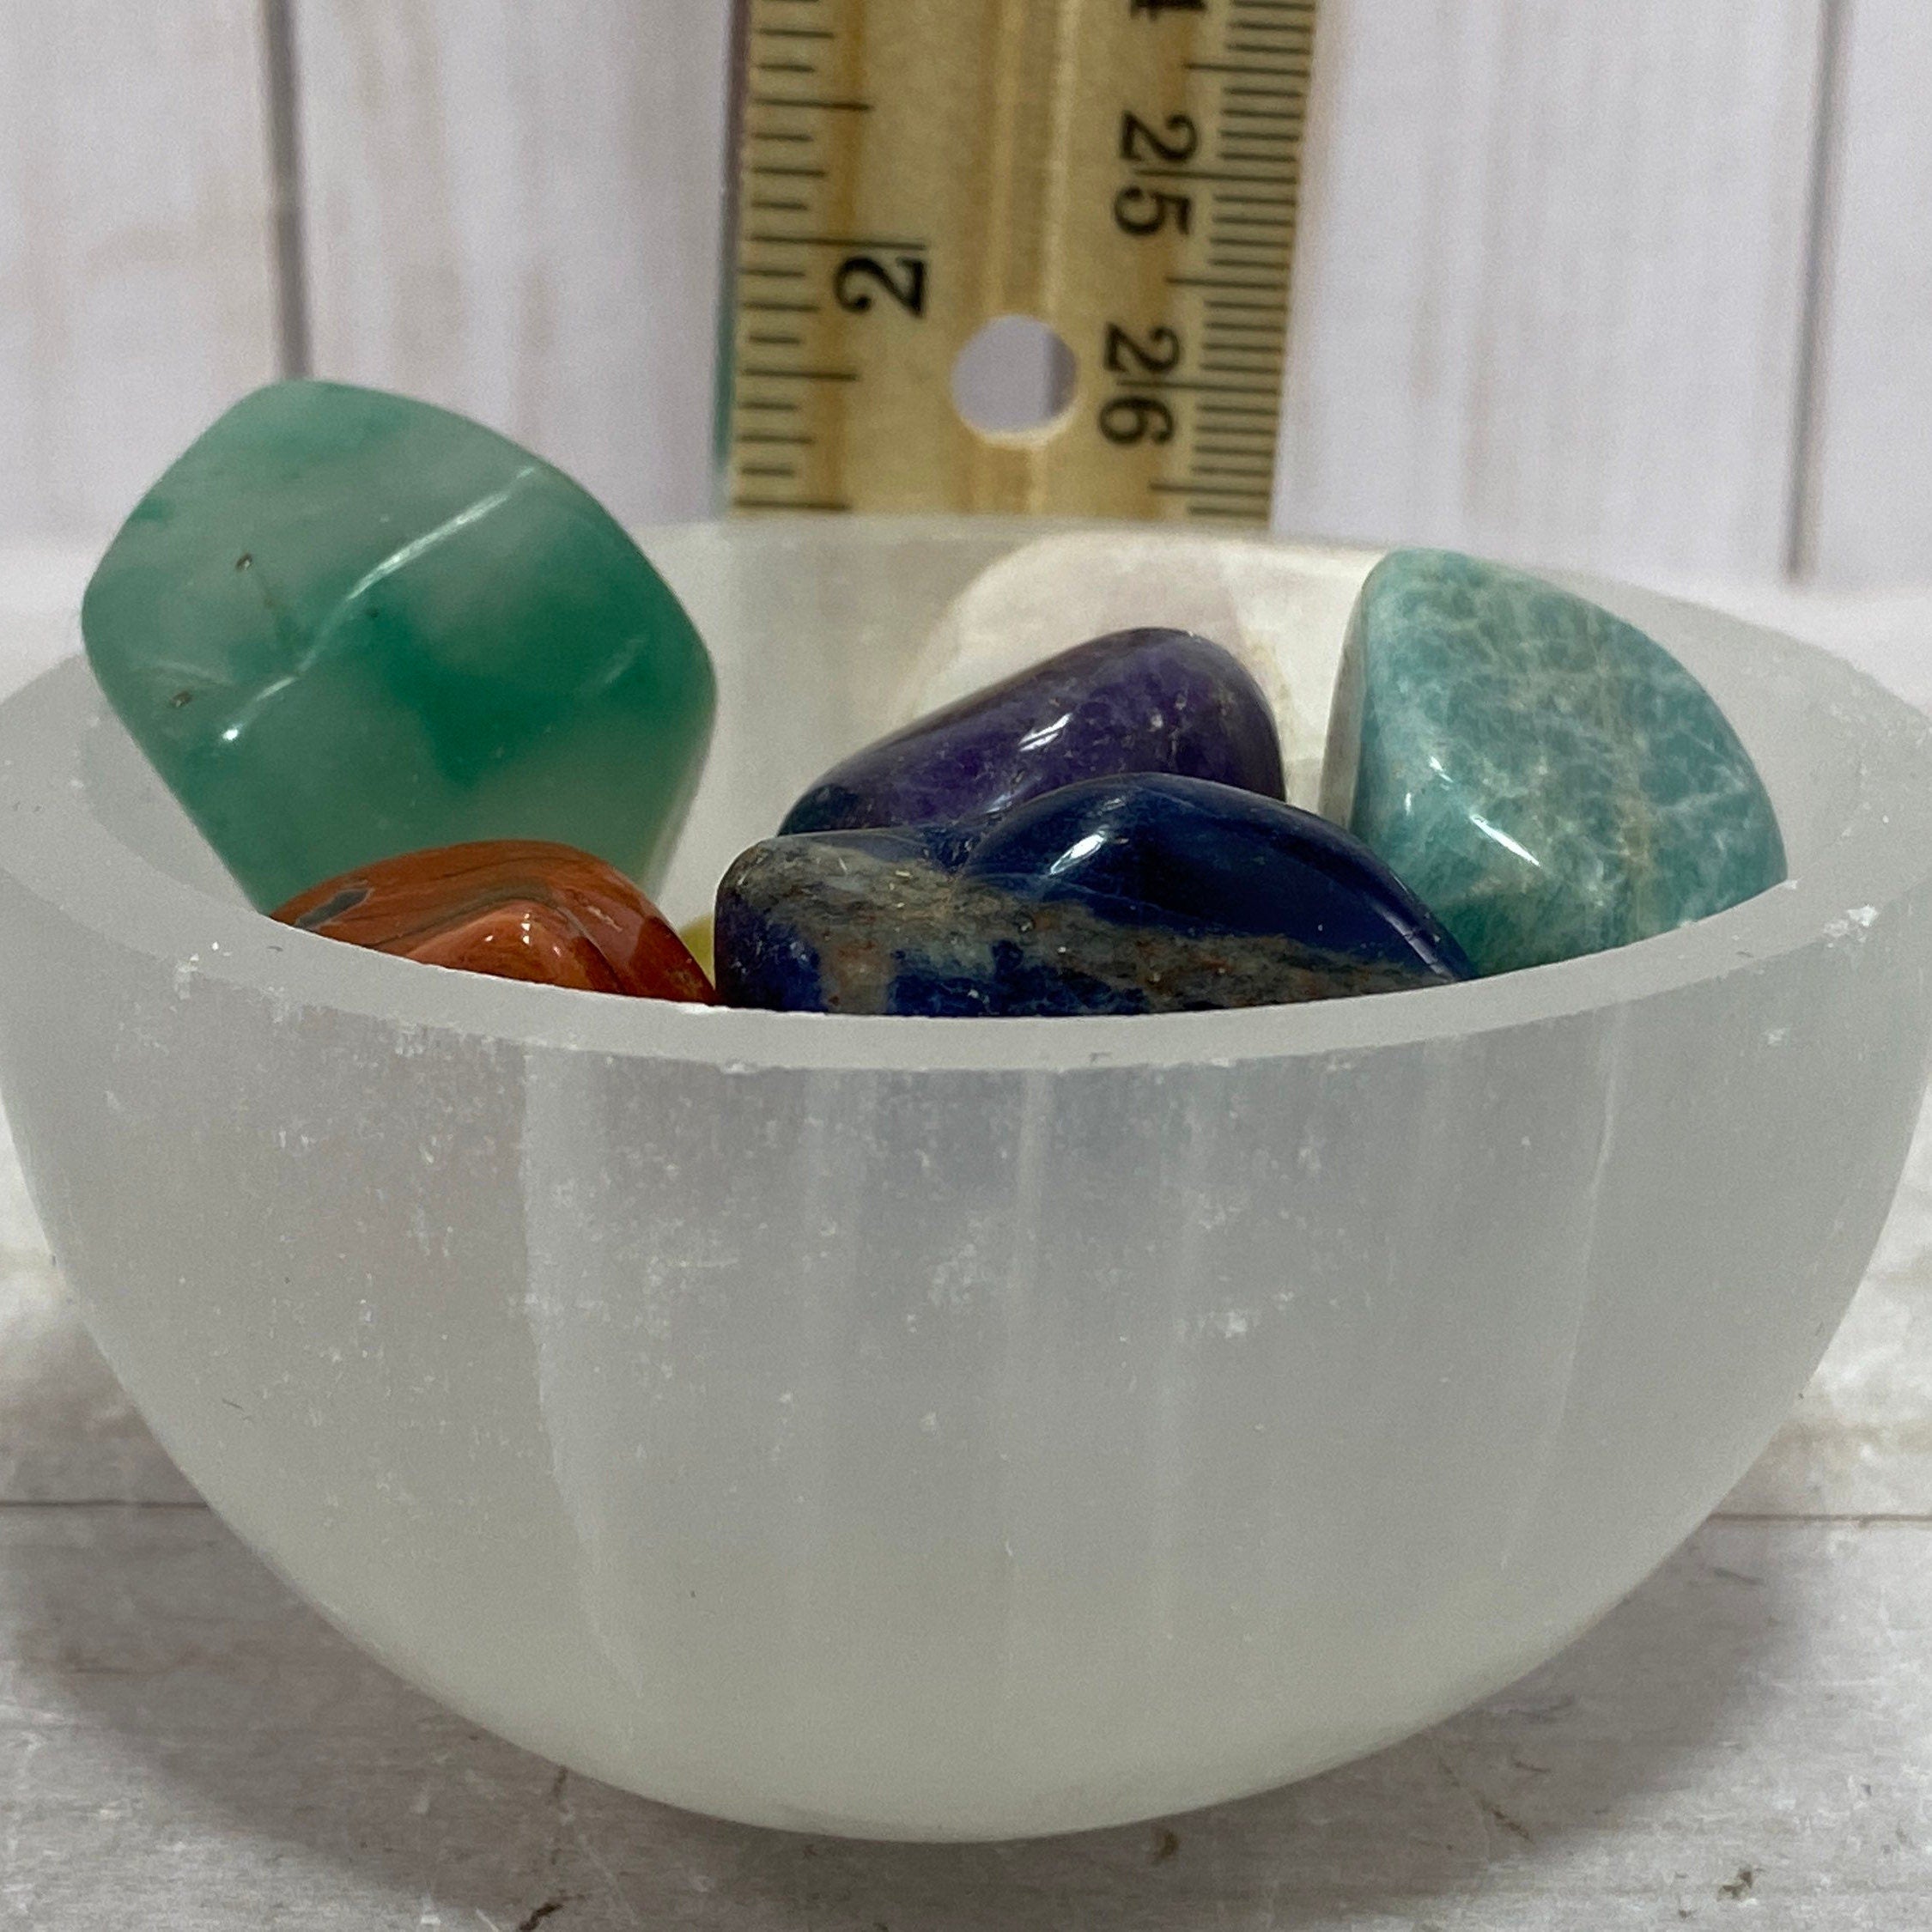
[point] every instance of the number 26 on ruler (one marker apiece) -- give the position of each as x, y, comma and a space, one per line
1142, 211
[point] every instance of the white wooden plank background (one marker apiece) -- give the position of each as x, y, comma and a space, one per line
1874, 475
517, 211
1559, 263
136, 295
1551, 279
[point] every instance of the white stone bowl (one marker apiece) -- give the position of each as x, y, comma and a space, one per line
952, 1429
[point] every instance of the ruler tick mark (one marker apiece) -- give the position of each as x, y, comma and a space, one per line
1272, 180
1168, 488
839, 242
1167, 383
799, 375
787, 503
815, 101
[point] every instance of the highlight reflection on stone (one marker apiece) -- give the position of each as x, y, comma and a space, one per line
1548, 779
345, 624
1139, 701
1280, 610
1133, 894
516, 908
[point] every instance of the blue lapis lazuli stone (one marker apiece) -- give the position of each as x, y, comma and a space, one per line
1139, 701
1548, 778
1139, 893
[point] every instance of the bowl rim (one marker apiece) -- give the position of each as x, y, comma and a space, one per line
1882, 852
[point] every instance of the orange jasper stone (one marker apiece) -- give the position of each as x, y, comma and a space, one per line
519, 909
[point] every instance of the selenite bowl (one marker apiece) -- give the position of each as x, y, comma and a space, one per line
958, 1428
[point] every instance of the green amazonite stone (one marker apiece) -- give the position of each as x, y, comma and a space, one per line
1547, 778
345, 625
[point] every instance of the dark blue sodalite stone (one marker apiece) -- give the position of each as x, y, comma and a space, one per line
1139, 701
1131, 894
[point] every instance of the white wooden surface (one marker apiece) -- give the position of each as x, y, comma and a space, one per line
1559, 273
1874, 479
1551, 267
517, 211
1746, 1741
136, 295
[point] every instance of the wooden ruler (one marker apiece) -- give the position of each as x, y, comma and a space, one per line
1125, 171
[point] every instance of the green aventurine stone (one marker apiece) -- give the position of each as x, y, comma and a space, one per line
1547, 778
345, 625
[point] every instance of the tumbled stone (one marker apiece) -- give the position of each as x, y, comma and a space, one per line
344, 624
696, 935
1281, 608
1548, 779
517, 908
1133, 894
1139, 701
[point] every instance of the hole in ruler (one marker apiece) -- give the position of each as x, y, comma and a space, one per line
1016, 374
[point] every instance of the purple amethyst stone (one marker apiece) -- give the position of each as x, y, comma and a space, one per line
1139, 701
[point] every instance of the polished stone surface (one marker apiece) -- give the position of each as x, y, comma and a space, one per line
516, 908
1133, 894
344, 625
696, 935
1551, 780
1281, 609
1137, 701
